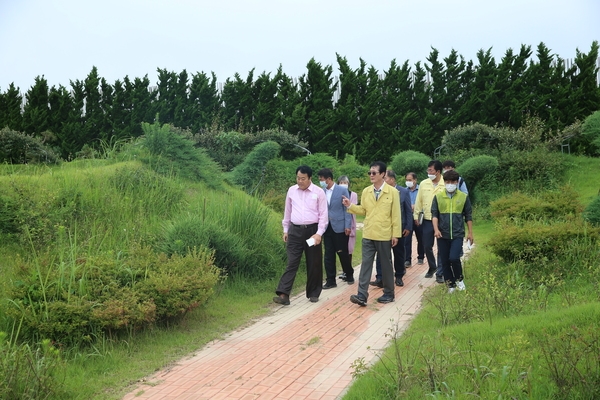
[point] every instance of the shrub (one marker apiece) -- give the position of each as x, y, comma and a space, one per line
19, 148
71, 300
173, 153
476, 135
591, 130
251, 171
476, 169
530, 169
537, 243
592, 212
549, 205
410, 161
351, 168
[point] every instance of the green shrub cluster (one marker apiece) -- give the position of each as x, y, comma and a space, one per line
476, 169
72, 300
245, 240
29, 372
19, 148
591, 131
230, 148
592, 212
410, 161
251, 171
549, 205
172, 153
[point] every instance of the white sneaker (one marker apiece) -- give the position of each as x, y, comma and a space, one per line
451, 290
460, 285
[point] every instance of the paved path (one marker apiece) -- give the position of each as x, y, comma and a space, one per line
301, 351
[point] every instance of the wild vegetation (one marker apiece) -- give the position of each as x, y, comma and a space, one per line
148, 238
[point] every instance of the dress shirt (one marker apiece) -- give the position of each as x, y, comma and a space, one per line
413, 195
329, 192
305, 207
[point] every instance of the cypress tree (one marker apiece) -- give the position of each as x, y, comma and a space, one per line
36, 109
11, 115
94, 116
204, 101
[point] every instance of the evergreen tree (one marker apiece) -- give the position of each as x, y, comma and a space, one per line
483, 100
265, 92
94, 115
204, 101
141, 102
586, 93
165, 107
61, 109
316, 93
10, 115
288, 98
106, 106
238, 102
36, 109
421, 134
181, 107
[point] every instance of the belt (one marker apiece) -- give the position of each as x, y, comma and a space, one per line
305, 226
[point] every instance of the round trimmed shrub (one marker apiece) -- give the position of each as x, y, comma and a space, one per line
475, 169
410, 161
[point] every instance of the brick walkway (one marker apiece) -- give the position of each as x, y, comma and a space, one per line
301, 351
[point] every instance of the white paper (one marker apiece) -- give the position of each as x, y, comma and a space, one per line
310, 241
469, 245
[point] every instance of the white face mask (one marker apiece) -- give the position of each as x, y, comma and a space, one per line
323, 184
344, 185
450, 187
432, 177
409, 184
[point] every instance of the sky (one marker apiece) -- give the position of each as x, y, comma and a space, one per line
63, 39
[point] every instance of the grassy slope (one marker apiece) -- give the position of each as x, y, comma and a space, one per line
583, 175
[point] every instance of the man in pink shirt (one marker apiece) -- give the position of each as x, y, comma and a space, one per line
305, 218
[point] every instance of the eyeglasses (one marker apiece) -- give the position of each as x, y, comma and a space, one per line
373, 173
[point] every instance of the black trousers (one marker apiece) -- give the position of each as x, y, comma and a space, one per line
296, 245
336, 243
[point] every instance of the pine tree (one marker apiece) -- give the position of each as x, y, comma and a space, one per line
94, 116
61, 109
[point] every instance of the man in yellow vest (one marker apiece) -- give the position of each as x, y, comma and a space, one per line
422, 215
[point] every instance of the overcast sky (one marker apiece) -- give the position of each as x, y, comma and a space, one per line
63, 39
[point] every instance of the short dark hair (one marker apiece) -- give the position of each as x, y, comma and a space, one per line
391, 173
414, 176
451, 175
304, 169
449, 163
380, 164
437, 164
325, 173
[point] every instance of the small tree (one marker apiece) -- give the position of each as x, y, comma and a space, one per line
249, 173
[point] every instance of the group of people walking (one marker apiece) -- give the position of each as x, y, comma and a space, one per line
314, 215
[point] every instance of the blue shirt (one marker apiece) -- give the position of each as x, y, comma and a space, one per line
413, 195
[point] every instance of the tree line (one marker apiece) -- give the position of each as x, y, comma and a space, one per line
361, 111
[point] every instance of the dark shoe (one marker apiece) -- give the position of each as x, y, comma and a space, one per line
420, 261
439, 279
343, 277
350, 282
377, 283
329, 285
407, 264
356, 299
282, 299
313, 299
386, 298
430, 273
399, 282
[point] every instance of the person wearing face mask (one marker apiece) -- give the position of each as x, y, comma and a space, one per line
344, 182
413, 190
338, 230
449, 165
450, 209
427, 190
